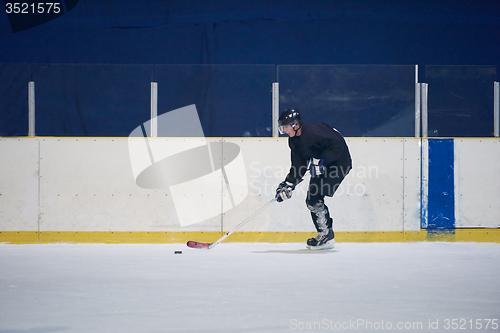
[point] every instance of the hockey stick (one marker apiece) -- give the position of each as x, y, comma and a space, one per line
208, 246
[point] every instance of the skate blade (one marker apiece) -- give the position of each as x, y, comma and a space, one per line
327, 246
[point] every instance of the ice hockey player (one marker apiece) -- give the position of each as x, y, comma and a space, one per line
322, 150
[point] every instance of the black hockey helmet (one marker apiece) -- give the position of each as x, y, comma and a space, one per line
289, 117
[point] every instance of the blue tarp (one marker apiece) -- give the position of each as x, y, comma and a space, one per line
152, 36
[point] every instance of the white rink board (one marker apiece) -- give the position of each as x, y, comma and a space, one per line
266, 162
412, 184
18, 184
477, 184
87, 184
371, 196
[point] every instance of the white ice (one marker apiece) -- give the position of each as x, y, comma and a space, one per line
379, 287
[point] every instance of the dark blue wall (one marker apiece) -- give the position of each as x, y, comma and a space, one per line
263, 32
152, 35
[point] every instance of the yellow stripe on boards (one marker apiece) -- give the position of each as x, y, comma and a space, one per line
19, 237
156, 237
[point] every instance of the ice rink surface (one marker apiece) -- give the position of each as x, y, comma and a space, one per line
357, 287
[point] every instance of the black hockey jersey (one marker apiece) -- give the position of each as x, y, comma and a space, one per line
319, 140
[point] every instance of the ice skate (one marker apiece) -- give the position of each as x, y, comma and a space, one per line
322, 241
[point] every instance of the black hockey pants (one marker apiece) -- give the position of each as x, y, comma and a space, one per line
315, 201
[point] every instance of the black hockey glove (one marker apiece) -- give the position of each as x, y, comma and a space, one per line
317, 167
284, 191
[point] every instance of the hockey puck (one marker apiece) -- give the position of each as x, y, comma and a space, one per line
177, 252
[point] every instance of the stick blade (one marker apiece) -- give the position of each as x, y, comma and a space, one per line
198, 245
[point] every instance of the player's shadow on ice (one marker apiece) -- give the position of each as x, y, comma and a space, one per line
298, 251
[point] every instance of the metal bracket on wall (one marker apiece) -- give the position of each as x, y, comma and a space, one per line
276, 107
31, 108
154, 109
496, 109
